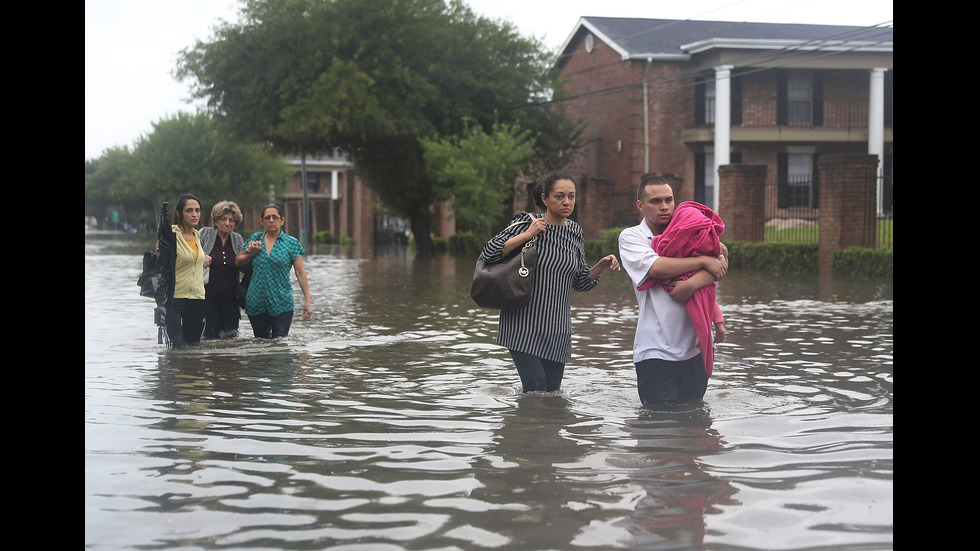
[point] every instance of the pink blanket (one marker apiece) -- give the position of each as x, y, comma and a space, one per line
694, 230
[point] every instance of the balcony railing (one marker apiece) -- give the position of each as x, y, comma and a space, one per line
770, 112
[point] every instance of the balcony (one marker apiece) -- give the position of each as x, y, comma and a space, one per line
773, 119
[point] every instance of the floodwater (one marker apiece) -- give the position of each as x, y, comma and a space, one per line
390, 421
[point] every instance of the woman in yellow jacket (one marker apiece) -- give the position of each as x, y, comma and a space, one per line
185, 309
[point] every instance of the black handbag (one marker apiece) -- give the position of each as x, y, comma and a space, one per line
506, 284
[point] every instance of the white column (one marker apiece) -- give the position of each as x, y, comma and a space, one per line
723, 124
876, 124
333, 184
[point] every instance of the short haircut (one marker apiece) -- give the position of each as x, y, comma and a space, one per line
650, 180
226, 207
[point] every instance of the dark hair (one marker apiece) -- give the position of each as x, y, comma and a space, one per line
271, 206
650, 180
178, 209
547, 183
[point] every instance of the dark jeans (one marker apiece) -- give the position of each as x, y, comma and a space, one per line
265, 326
665, 382
537, 373
185, 322
222, 318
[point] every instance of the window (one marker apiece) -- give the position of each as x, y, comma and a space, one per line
800, 98
798, 94
312, 182
797, 180
705, 97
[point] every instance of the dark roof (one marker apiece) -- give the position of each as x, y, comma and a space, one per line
666, 36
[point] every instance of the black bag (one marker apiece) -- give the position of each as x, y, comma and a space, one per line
156, 280
242, 290
506, 284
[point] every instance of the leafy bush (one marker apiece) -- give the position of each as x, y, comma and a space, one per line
465, 243
863, 261
774, 257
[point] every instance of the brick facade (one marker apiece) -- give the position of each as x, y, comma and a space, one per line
743, 192
847, 204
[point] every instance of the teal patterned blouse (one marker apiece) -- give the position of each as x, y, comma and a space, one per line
271, 290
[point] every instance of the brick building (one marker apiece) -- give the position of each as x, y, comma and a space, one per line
338, 201
653, 93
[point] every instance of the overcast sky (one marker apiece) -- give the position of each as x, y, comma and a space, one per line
131, 45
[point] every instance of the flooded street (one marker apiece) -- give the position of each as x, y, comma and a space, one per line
391, 421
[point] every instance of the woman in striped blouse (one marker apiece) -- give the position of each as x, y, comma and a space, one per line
539, 335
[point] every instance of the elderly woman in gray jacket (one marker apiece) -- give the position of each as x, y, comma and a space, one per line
222, 243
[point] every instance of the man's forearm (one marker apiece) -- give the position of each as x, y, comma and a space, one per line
667, 267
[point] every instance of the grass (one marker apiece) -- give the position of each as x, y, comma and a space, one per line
812, 234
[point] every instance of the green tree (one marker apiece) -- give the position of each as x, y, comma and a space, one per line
109, 186
477, 171
190, 154
372, 78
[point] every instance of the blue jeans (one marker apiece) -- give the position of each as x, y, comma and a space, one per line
537, 373
265, 326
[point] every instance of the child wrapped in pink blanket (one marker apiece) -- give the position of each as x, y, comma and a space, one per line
694, 230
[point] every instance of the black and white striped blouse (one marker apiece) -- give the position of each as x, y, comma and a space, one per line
543, 328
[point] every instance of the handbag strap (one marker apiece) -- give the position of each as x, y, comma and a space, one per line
530, 242
530, 218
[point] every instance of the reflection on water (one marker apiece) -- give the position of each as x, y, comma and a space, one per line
392, 421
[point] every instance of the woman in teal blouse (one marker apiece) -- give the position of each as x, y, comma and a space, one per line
269, 302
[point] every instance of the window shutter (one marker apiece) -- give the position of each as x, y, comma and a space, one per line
699, 172
699, 107
817, 98
815, 183
782, 180
782, 93
736, 106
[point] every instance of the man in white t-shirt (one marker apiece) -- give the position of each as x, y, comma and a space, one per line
669, 366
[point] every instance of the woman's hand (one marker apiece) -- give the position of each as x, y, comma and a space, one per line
307, 311
538, 225
207, 261
608, 262
605, 263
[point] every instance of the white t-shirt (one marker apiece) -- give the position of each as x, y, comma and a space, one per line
663, 327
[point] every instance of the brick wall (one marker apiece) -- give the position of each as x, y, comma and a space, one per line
848, 213
742, 198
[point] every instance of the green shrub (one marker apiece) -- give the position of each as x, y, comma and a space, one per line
439, 243
465, 243
347, 241
774, 257
323, 237
863, 261
608, 243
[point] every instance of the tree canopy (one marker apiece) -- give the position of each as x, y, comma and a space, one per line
182, 154
373, 78
477, 171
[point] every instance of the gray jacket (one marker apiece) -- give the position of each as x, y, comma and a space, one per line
209, 235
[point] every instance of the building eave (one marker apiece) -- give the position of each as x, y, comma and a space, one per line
778, 44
